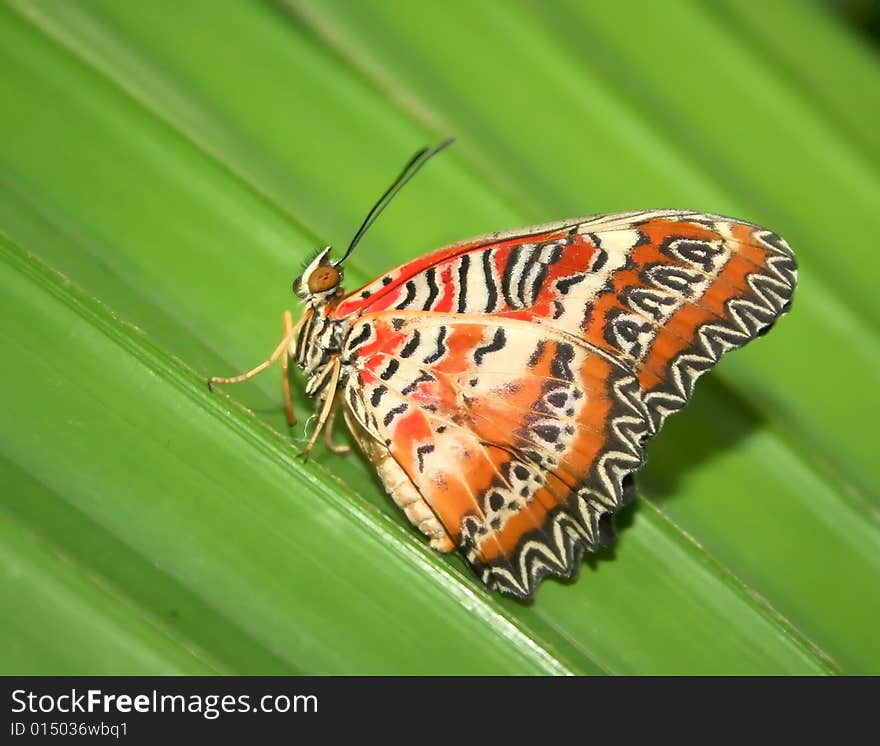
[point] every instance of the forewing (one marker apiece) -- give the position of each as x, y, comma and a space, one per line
666, 291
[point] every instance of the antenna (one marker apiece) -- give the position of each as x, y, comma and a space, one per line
409, 170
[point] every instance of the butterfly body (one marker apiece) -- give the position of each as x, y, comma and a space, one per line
504, 387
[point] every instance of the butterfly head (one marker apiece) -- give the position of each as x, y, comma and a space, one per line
321, 279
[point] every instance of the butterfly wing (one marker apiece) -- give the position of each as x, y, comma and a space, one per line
510, 382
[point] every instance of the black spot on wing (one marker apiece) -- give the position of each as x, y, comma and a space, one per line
488, 278
537, 354
409, 297
411, 344
499, 340
547, 433
441, 347
421, 452
560, 366
496, 501
392, 413
564, 284
463, 266
390, 369
433, 289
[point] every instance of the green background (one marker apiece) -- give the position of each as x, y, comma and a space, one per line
164, 169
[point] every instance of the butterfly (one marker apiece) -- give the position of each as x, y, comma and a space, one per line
504, 387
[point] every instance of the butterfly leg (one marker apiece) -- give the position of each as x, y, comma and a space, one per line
290, 332
328, 434
287, 322
327, 407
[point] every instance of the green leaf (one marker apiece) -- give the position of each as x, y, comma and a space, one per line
164, 170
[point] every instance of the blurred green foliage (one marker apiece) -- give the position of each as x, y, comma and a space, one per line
165, 167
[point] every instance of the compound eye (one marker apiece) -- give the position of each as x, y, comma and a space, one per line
323, 278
